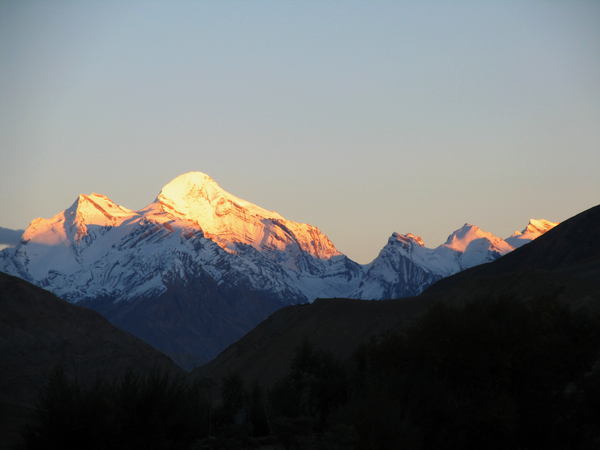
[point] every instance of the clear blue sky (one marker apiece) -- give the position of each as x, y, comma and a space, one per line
360, 118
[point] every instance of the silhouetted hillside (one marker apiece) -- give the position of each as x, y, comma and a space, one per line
39, 331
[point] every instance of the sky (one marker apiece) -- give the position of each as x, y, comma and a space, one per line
360, 118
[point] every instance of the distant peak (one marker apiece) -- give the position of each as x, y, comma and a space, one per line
539, 226
82, 202
196, 196
197, 178
408, 237
96, 209
461, 238
101, 202
187, 183
534, 229
463, 232
189, 191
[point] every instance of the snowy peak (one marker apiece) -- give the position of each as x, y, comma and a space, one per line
534, 229
94, 230
229, 220
406, 267
538, 227
72, 223
408, 238
460, 239
196, 196
464, 236
96, 247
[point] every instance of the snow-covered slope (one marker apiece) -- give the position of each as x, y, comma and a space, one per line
405, 267
231, 221
535, 228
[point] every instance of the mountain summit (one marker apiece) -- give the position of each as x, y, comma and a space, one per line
198, 267
534, 229
231, 221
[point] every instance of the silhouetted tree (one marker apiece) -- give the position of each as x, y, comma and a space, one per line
153, 411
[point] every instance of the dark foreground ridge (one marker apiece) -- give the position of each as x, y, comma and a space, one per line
39, 331
520, 316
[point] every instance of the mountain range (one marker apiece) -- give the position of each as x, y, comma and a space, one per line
198, 267
38, 330
562, 265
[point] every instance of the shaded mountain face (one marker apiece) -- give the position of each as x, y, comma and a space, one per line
39, 331
198, 267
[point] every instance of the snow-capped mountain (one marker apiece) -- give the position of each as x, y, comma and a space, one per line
97, 248
198, 267
535, 228
243, 262
405, 267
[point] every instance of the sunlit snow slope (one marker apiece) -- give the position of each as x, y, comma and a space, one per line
535, 228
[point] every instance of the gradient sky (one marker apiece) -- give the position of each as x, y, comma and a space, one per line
360, 118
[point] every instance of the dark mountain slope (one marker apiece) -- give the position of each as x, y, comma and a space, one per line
339, 325
192, 320
39, 331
